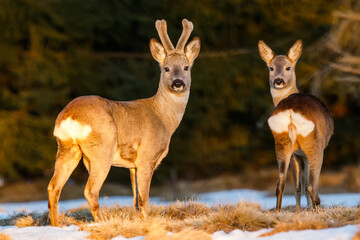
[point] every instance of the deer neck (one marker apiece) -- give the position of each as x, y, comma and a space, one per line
170, 106
280, 94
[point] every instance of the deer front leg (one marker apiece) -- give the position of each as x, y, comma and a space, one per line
143, 178
135, 188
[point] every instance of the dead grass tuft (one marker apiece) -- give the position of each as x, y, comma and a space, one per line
26, 222
157, 232
3, 236
193, 220
326, 218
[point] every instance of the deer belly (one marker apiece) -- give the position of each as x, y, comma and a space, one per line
292, 122
72, 129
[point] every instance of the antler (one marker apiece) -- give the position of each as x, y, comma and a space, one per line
164, 37
187, 29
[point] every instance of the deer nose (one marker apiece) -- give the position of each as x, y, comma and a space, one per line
279, 81
177, 83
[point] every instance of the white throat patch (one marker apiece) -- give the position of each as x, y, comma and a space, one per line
72, 129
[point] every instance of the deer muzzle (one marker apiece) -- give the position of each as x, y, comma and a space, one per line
178, 85
279, 82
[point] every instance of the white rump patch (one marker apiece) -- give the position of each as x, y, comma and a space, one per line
280, 122
303, 126
72, 129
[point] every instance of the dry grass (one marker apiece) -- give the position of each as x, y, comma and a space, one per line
26, 222
3, 236
192, 220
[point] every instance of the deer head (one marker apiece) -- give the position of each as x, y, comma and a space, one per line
175, 63
281, 67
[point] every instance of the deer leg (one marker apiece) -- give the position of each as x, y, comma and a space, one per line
98, 172
135, 188
306, 178
283, 158
295, 166
67, 159
315, 162
144, 176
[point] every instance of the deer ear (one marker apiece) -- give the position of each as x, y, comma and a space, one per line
192, 49
295, 51
157, 51
265, 52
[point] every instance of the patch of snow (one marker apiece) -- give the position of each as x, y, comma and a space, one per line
341, 233
237, 234
48, 233
269, 202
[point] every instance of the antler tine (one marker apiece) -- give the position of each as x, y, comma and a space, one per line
187, 29
164, 37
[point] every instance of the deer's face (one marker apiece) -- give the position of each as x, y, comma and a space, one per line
281, 67
281, 72
175, 63
176, 73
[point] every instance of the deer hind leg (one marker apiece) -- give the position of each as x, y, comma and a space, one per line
283, 155
306, 178
315, 163
98, 168
295, 166
315, 160
67, 159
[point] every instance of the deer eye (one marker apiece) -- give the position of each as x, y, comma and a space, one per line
167, 69
271, 69
186, 68
287, 69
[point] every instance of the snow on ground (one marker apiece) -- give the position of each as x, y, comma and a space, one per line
48, 233
223, 197
341, 233
73, 233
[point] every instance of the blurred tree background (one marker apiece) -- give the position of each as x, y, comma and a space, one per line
52, 51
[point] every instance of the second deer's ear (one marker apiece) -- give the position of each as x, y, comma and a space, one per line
157, 51
295, 51
192, 49
265, 52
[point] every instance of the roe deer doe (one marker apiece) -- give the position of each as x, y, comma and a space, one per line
301, 125
135, 134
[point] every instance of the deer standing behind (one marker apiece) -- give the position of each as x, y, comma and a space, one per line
135, 134
301, 125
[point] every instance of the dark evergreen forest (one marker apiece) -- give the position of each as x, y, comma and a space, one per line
52, 51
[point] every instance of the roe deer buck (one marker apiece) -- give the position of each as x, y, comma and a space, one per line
135, 134
301, 125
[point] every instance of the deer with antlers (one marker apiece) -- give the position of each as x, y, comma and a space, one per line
134, 134
301, 126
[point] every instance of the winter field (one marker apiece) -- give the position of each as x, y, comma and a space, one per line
226, 215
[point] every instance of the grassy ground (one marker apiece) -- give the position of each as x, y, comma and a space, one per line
191, 220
